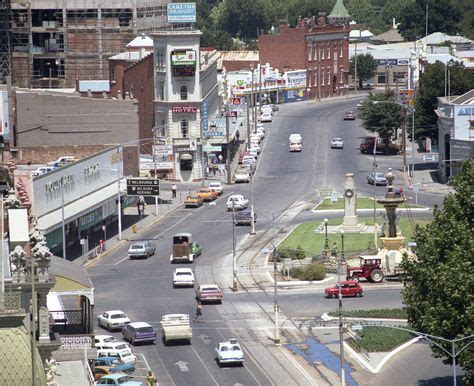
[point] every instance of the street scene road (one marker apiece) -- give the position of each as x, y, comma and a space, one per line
143, 288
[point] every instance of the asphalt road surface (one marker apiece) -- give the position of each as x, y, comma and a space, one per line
143, 288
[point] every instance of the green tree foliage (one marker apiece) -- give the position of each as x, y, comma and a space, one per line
431, 86
365, 67
443, 16
439, 286
361, 11
382, 118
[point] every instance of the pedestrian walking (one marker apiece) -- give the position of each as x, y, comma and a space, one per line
141, 206
174, 188
151, 379
334, 250
220, 158
198, 313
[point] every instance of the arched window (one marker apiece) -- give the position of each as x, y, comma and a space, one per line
184, 128
184, 93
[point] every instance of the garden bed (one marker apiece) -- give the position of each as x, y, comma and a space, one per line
389, 313
379, 339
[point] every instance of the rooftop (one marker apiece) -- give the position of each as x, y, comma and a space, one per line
392, 35
339, 10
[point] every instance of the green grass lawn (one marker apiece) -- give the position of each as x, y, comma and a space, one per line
362, 203
384, 313
304, 238
379, 339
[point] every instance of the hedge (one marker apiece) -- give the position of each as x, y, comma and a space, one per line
314, 271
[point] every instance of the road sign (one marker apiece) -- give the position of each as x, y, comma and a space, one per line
143, 187
429, 157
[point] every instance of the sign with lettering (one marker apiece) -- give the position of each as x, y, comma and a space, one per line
55, 185
143, 187
184, 109
181, 12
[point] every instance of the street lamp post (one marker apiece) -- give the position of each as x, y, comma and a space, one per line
341, 330
275, 287
326, 241
252, 212
234, 259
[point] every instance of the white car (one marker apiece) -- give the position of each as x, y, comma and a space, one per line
266, 109
295, 147
249, 160
237, 202
229, 352
183, 277
121, 350
217, 187
255, 145
255, 137
253, 151
266, 117
101, 340
260, 126
261, 132
242, 175
294, 138
43, 170
113, 320
337, 143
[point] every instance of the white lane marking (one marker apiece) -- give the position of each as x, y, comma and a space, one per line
144, 359
208, 371
163, 365
122, 260
172, 226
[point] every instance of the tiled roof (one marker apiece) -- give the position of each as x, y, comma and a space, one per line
15, 358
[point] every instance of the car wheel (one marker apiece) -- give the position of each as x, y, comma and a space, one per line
354, 278
334, 296
361, 294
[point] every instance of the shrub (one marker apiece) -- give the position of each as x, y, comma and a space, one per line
300, 253
390, 313
380, 339
290, 253
315, 271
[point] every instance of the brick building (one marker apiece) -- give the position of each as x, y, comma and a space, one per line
319, 45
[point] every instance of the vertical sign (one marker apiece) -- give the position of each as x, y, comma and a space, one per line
4, 122
205, 117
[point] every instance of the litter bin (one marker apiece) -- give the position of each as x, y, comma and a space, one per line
134, 228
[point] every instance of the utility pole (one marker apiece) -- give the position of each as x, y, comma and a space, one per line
254, 101
247, 101
33, 310
227, 140
63, 225
341, 329
235, 283
259, 95
355, 67
154, 168
275, 286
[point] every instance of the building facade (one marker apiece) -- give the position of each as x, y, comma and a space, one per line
455, 132
55, 43
186, 96
318, 45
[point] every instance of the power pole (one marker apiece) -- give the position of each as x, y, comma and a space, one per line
227, 140
247, 101
33, 319
355, 67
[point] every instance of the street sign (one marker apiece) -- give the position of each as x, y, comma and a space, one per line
429, 157
143, 187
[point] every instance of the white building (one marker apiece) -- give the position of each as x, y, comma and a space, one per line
186, 91
455, 132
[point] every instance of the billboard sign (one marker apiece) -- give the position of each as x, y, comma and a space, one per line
216, 128
181, 13
143, 187
183, 58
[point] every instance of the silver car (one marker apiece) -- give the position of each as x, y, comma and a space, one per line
141, 249
378, 179
337, 143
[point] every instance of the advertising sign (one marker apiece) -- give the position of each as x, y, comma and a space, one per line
184, 109
205, 116
216, 128
295, 95
386, 62
181, 13
296, 79
183, 58
4, 122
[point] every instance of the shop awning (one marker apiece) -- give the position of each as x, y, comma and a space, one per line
186, 157
78, 208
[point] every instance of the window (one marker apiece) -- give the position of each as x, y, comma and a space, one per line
328, 46
340, 49
329, 75
310, 51
183, 93
381, 78
322, 77
315, 51
321, 55
315, 78
184, 128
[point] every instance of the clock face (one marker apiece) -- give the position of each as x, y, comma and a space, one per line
349, 193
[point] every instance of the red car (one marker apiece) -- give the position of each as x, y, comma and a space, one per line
348, 288
242, 155
209, 293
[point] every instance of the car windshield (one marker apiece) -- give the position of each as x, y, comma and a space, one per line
121, 347
183, 273
145, 329
110, 339
379, 175
123, 380
136, 246
117, 316
209, 289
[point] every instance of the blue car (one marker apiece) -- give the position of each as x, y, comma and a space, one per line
115, 363
118, 379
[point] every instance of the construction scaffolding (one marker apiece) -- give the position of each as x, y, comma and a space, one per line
5, 51
55, 43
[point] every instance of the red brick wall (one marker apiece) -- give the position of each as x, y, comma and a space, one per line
285, 51
237, 65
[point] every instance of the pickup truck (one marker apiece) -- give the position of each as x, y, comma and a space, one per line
184, 248
176, 327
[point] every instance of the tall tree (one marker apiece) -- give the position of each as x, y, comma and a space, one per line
382, 117
361, 11
439, 285
443, 16
365, 67
431, 86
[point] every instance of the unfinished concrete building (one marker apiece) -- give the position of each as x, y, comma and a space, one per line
54, 43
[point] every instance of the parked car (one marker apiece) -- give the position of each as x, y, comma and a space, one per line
183, 277
141, 249
43, 170
113, 320
118, 349
266, 109
275, 108
295, 138
207, 194
102, 371
242, 175
253, 151
337, 143
217, 187
229, 352
255, 137
241, 156
193, 200
249, 160
119, 380
349, 116
244, 217
254, 145
266, 117
100, 340
139, 332
236, 202
295, 147
348, 288
261, 132
209, 293
378, 179
115, 363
